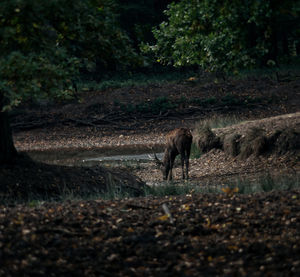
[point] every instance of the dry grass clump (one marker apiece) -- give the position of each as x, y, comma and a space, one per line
231, 144
206, 139
287, 140
254, 142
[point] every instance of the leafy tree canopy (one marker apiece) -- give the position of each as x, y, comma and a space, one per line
44, 44
226, 35
138, 17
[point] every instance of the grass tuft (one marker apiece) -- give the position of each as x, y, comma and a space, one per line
195, 152
263, 183
135, 79
217, 121
266, 183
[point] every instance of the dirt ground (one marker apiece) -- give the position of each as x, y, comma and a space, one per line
225, 234
98, 123
97, 119
201, 235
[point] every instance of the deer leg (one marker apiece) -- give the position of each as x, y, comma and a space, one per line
187, 167
187, 161
183, 158
170, 176
172, 159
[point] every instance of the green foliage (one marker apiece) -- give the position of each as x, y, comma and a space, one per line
168, 189
162, 105
35, 77
129, 79
263, 183
226, 35
138, 17
230, 100
204, 102
45, 43
195, 152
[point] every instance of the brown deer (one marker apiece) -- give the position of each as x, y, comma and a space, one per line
179, 141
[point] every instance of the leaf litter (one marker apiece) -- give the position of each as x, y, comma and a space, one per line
222, 235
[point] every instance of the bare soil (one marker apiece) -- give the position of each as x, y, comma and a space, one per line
224, 234
97, 123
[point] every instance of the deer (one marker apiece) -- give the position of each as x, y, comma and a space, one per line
179, 141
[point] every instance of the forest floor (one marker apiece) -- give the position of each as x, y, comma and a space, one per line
106, 122
192, 235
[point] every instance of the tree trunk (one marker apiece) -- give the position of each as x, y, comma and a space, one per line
8, 151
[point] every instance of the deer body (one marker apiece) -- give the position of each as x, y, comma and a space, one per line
179, 141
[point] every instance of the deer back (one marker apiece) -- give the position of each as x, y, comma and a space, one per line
179, 140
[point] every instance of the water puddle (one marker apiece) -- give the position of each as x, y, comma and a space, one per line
104, 156
138, 157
